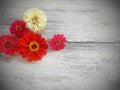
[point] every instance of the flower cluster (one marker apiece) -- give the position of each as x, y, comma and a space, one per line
26, 40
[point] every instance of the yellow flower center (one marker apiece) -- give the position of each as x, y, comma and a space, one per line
18, 28
35, 19
57, 42
34, 46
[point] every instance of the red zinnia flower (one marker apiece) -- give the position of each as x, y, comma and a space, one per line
33, 46
18, 28
57, 42
8, 44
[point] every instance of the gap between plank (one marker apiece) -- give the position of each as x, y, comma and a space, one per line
97, 42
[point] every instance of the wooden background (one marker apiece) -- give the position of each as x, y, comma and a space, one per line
91, 59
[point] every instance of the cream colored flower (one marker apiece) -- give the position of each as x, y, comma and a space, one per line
35, 19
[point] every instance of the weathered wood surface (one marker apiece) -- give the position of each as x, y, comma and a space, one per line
91, 59
79, 20
78, 67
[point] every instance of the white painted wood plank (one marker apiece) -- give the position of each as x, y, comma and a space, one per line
79, 20
81, 66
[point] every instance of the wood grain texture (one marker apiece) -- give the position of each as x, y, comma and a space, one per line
79, 20
91, 59
78, 67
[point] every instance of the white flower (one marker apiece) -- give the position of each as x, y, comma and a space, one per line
35, 19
